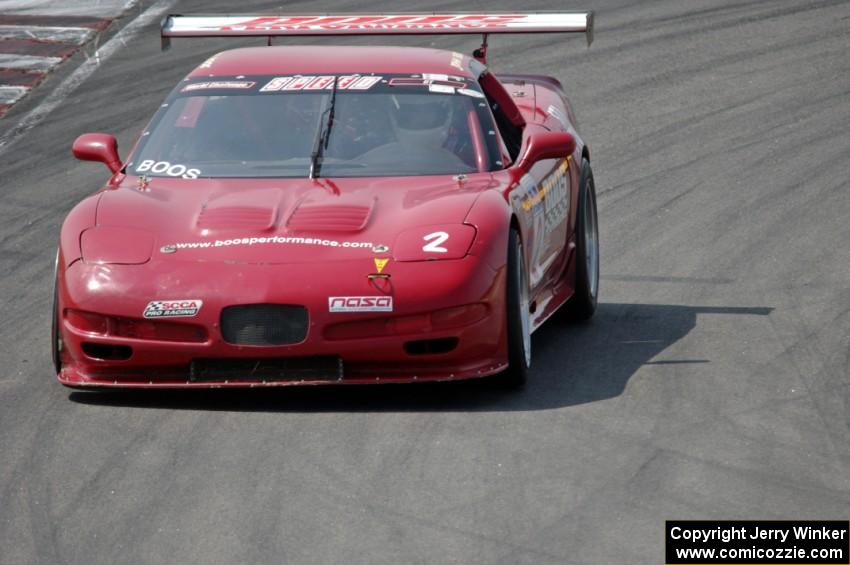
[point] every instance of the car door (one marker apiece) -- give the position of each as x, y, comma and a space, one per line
540, 196
546, 201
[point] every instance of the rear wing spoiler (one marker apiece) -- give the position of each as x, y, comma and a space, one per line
385, 24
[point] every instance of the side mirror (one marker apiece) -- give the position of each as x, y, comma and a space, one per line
546, 145
98, 147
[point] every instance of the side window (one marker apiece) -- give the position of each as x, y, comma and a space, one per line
505, 113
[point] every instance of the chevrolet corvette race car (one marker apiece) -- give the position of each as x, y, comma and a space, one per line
329, 214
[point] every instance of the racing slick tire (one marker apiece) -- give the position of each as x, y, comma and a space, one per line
519, 322
54, 330
582, 305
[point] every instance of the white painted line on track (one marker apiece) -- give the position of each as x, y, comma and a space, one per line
28, 62
11, 94
84, 71
47, 33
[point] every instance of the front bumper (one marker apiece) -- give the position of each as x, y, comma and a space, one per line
373, 347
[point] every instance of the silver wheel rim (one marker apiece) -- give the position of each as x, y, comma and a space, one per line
524, 310
591, 243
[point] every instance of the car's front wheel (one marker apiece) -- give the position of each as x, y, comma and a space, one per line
55, 339
519, 322
582, 305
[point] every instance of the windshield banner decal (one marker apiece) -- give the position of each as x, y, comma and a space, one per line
219, 84
323, 82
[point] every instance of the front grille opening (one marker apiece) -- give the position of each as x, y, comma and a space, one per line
321, 368
106, 351
430, 346
264, 324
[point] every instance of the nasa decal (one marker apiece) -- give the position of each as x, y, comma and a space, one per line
360, 304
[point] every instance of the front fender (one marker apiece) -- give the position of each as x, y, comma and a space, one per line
80, 218
491, 217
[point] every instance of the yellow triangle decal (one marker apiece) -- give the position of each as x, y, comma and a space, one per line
380, 263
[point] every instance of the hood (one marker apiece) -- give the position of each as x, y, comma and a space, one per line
282, 220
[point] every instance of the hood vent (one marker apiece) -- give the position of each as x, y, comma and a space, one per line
329, 217
236, 218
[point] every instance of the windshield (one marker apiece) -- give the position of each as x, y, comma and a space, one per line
269, 126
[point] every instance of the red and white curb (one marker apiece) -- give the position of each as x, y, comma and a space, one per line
144, 20
34, 42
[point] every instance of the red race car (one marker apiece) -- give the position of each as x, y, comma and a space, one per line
331, 214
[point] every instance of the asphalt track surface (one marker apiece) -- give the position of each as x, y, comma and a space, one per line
713, 382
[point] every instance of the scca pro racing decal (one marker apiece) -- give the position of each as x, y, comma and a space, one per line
360, 304
186, 308
164, 167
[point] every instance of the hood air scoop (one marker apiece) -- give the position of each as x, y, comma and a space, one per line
230, 212
330, 217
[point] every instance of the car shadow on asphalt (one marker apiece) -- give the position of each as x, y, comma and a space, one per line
573, 363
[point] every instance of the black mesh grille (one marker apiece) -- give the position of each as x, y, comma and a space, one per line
264, 324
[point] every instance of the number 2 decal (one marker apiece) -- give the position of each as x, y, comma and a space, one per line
435, 240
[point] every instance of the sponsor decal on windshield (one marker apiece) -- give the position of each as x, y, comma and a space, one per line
268, 240
164, 167
437, 83
444, 78
356, 82
470, 92
219, 84
441, 89
360, 304
183, 308
427, 79
321, 82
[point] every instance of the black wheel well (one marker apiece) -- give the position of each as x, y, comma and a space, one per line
585, 153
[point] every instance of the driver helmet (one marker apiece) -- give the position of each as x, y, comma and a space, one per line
421, 119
